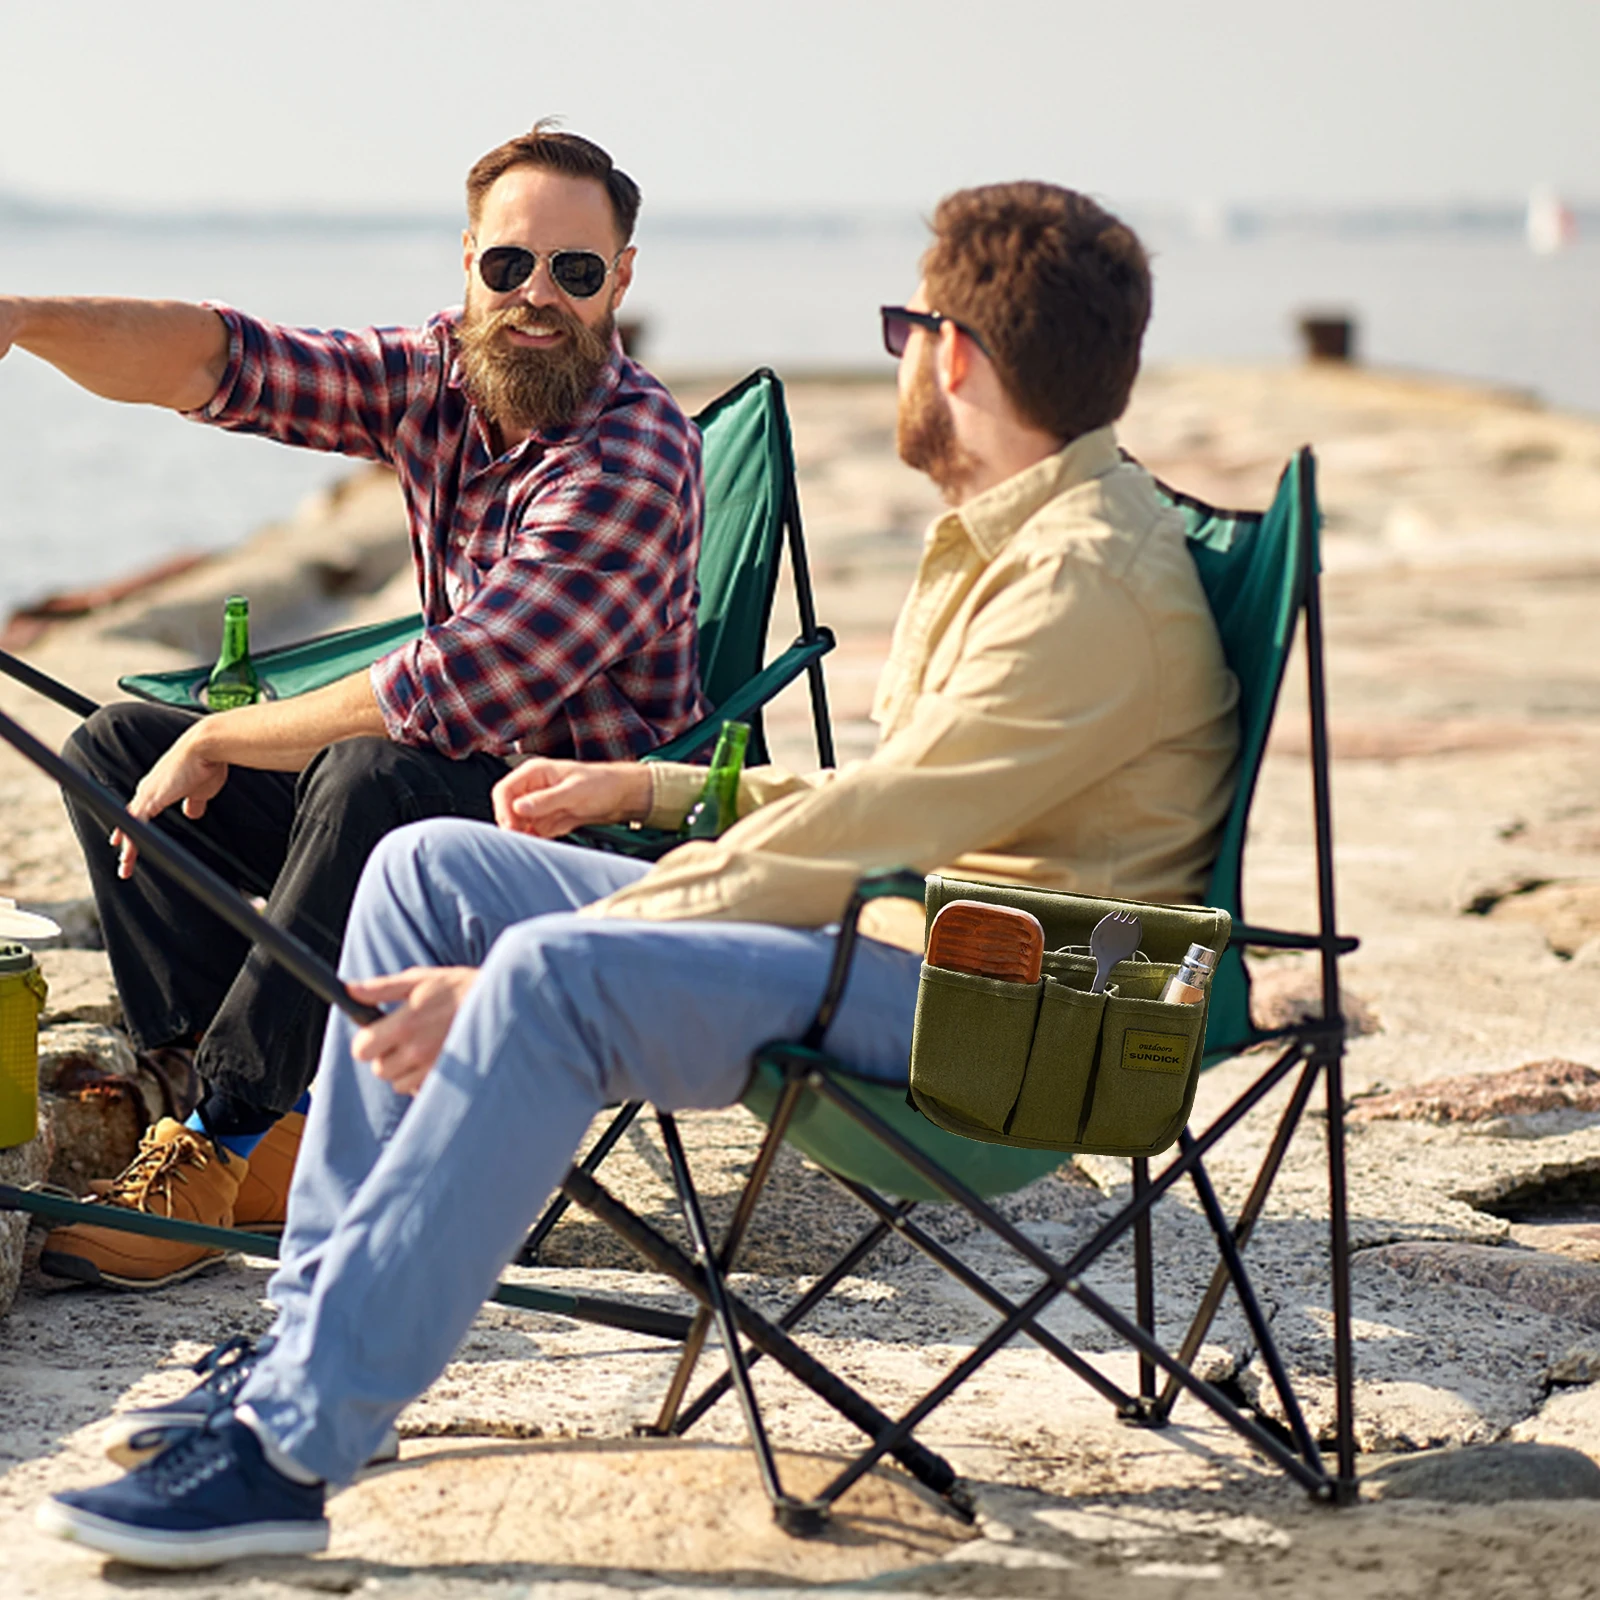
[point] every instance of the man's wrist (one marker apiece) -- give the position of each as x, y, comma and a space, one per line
210, 737
641, 792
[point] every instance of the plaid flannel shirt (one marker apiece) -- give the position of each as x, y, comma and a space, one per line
557, 581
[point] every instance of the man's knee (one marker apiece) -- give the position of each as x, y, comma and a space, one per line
125, 737
350, 773
372, 785
436, 847
411, 865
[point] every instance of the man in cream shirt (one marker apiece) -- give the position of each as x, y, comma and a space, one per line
1056, 710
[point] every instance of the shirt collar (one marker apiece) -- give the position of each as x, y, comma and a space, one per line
991, 518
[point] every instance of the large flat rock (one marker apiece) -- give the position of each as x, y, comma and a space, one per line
674, 1511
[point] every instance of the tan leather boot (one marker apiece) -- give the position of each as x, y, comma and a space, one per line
264, 1195
177, 1173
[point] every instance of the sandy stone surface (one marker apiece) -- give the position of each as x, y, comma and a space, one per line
1463, 575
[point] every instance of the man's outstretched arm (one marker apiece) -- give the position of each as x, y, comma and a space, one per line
150, 352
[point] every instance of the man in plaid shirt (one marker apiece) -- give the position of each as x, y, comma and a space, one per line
553, 494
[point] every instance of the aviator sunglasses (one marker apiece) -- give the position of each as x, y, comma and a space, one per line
898, 321
578, 273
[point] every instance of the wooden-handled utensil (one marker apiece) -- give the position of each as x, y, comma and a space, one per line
991, 941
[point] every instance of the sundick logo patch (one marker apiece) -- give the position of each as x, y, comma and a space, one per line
1154, 1052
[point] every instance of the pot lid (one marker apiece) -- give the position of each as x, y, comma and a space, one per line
16, 924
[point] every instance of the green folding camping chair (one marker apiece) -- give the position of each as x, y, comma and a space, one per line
1259, 571
752, 514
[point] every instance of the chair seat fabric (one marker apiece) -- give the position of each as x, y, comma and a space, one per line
833, 1141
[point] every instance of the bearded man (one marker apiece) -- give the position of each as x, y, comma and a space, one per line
1056, 710
553, 493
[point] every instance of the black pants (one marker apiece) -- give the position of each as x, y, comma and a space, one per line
181, 971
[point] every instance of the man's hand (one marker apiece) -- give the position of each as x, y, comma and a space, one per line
187, 773
404, 1045
548, 798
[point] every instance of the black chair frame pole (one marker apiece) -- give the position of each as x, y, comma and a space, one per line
805, 605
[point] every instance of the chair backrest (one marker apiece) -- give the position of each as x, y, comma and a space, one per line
749, 474
1253, 566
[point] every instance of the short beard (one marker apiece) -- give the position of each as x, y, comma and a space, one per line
925, 435
530, 389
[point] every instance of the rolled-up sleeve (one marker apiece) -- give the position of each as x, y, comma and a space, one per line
332, 391
585, 583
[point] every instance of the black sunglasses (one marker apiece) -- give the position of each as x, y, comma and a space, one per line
579, 273
898, 321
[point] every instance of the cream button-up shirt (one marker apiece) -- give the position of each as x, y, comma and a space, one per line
1055, 711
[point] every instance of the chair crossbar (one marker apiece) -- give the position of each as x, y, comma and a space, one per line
1228, 1248
728, 1253
968, 1198
796, 1313
971, 1279
805, 1515
586, 1191
1313, 1478
622, 1314
1249, 1213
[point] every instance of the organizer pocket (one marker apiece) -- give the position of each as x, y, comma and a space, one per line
1049, 1111
1145, 1079
969, 1045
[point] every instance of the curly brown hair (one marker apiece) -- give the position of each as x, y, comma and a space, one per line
1057, 289
544, 145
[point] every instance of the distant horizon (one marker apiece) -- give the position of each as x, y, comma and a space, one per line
1464, 210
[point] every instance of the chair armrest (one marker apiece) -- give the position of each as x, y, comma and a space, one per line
748, 698
892, 883
1245, 933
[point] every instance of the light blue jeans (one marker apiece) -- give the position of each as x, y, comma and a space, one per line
404, 1211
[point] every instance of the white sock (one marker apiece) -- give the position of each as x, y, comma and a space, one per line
277, 1458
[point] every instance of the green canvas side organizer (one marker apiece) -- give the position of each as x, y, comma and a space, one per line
1047, 1065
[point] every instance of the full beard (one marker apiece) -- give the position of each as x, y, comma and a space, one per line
530, 389
925, 435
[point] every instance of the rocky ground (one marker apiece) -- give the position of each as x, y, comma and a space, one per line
1463, 573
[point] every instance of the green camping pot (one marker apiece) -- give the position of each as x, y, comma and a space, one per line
22, 996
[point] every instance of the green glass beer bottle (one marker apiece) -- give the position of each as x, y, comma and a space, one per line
233, 680
717, 809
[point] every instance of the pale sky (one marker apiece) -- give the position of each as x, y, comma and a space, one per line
781, 104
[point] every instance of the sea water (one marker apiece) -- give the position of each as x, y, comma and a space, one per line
90, 490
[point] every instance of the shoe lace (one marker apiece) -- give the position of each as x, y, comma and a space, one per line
188, 1462
154, 1170
226, 1366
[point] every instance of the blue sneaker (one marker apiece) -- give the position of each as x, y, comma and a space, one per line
210, 1497
133, 1437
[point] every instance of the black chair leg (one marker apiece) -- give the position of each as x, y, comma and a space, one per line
1144, 1278
799, 1517
1249, 1214
743, 1212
